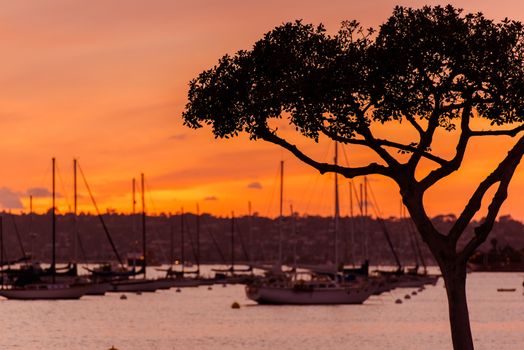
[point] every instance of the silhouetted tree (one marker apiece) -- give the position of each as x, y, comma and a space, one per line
430, 68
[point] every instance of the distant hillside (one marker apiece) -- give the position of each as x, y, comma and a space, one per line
256, 238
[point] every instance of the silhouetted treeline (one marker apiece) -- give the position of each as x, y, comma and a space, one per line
308, 239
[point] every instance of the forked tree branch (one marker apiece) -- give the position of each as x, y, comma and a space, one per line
425, 140
375, 146
416, 125
380, 143
502, 174
348, 172
454, 163
435, 240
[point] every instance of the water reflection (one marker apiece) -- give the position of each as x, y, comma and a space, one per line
199, 318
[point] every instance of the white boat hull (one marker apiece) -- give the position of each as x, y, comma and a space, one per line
45, 292
317, 296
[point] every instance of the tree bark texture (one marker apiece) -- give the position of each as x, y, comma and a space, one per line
455, 278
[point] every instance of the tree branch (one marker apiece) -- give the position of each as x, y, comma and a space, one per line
375, 146
511, 132
381, 142
454, 163
425, 139
436, 241
502, 174
416, 125
372, 168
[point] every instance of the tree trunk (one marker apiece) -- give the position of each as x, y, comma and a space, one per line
455, 278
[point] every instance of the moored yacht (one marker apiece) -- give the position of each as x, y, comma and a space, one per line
319, 290
39, 289
45, 291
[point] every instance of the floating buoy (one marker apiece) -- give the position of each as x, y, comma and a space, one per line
421, 289
123, 297
407, 296
413, 293
235, 305
209, 288
398, 301
178, 290
113, 348
138, 293
224, 285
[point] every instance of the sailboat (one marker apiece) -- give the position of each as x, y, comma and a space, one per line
178, 277
139, 284
310, 288
43, 290
95, 285
109, 273
231, 275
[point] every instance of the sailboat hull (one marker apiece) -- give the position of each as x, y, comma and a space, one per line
305, 296
184, 282
98, 288
413, 281
45, 292
135, 285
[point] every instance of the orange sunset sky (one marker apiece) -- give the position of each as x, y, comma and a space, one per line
106, 82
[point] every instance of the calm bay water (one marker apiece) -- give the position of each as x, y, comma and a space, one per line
198, 318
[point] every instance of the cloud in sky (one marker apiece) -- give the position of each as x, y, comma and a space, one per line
9, 199
38, 192
255, 185
211, 198
178, 137
41, 192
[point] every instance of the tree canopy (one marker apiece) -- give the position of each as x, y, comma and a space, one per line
429, 65
433, 68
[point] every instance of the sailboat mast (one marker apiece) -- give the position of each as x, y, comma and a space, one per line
365, 196
31, 225
198, 236
74, 188
295, 238
352, 217
171, 242
363, 213
75, 196
250, 229
53, 218
280, 212
337, 210
134, 196
1, 244
133, 208
182, 238
232, 241
144, 247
